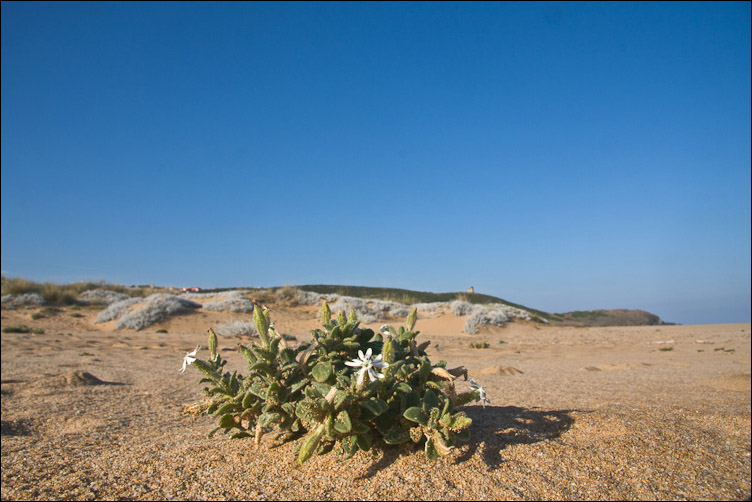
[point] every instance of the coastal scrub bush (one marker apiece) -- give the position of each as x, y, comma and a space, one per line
117, 310
238, 328
23, 300
485, 317
460, 308
231, 302
101, 296
347, 389
156, 308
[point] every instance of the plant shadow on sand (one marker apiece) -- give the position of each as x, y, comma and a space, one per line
495, 428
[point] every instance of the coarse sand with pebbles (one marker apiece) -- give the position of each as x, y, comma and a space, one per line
653, 412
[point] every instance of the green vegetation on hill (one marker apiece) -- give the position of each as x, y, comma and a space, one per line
409, 297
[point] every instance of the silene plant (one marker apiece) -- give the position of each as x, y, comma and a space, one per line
345, 390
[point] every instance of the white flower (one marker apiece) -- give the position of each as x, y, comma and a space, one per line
481, 394
189, 358
367, 365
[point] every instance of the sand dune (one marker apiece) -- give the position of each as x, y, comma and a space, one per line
89, 412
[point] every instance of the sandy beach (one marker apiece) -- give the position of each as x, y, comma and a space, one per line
648, 412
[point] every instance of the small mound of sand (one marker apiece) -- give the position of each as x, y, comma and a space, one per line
500, 370
72, 379
75, 425
612, 367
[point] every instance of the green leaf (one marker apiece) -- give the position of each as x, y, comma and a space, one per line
274, 345
396, 435
425, 371
227, 422
289, 366
460, 421
416, 415
261, 367
339, 398
262, 325
321, 388
208, 371
431, 452
336, 333
212, 344
342, 423
341, 319
403, 387
364, 336
364, 441
447, 406
430, 399
305, 410
248, 400
358, 427
248, 355
310, 443
227, 408
298, 385
288, 408
322, 371
375, 405
267, 419
410, 323
349, 446
326, 314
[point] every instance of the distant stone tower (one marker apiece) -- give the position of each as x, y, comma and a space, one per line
471, 290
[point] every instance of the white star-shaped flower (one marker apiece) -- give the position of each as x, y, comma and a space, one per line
482, 394
367, 365
189, 358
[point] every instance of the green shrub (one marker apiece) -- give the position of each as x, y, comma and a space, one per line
479, 345
23, 329
319, 390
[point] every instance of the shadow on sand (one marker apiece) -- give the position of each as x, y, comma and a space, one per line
495, 428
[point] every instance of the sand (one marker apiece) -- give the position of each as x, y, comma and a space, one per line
575, 413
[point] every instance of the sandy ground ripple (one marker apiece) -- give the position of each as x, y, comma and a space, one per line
656, 412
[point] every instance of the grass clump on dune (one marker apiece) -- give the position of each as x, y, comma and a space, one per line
23, 329
65, 294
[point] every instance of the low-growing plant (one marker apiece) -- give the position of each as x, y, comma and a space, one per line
666, 349
348, 389
479, 345
162, 331
23, 329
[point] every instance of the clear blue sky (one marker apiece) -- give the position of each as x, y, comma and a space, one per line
565, 156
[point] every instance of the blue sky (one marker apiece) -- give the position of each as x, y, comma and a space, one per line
565, 156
